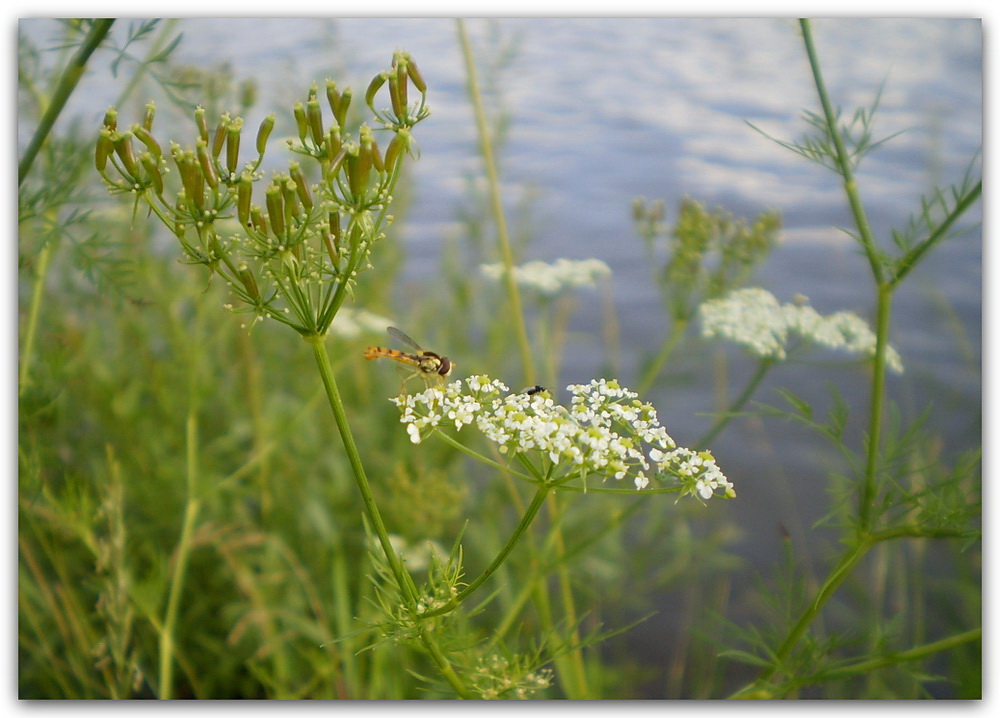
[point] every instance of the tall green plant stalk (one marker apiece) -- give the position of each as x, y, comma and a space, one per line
570, 667
883, 312
886, 274
407, 588
496, 203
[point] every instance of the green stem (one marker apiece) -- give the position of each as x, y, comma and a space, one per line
869, 487
31, 328
522, 527
480, 457
572, 670
865, 667
67, 82
191, 510
503, 238
403, 578
669, 344
940, 232
751, 387
407, 589
843, 569
842, 158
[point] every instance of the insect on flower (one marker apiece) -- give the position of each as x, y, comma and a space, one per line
430, 366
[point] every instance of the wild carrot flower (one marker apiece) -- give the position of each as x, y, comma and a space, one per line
756, 320
605, 432
551, 279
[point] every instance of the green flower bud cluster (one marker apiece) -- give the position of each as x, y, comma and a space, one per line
294, 255
708, 252
401, 114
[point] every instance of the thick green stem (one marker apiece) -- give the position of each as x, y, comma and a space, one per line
837, 576
407, 589
70, 77
869, 487
403, 578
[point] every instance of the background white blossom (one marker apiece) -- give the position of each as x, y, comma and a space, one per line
756, 320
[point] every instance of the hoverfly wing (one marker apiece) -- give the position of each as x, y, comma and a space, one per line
399, 336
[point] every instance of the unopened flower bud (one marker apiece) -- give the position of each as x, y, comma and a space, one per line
233, 133
257, 219
207, 166
345, 104
149, 164
264, 132
401, 73
199, 119
147, 118
221, 133
275, 209
373, 87
356, 175
332, 96
415, 76
244, 192
315, 116
142, 134
104, 149
301, 188
300, 120
123, 148
111, 119
289, 197
192, 179
398, 96
399, 143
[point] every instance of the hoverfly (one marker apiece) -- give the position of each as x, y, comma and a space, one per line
427, 364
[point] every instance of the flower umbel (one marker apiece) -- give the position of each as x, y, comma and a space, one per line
755, 319
605, 432
551, 279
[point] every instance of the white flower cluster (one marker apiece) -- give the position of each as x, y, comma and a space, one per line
606, 432
756, 320
551, 279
